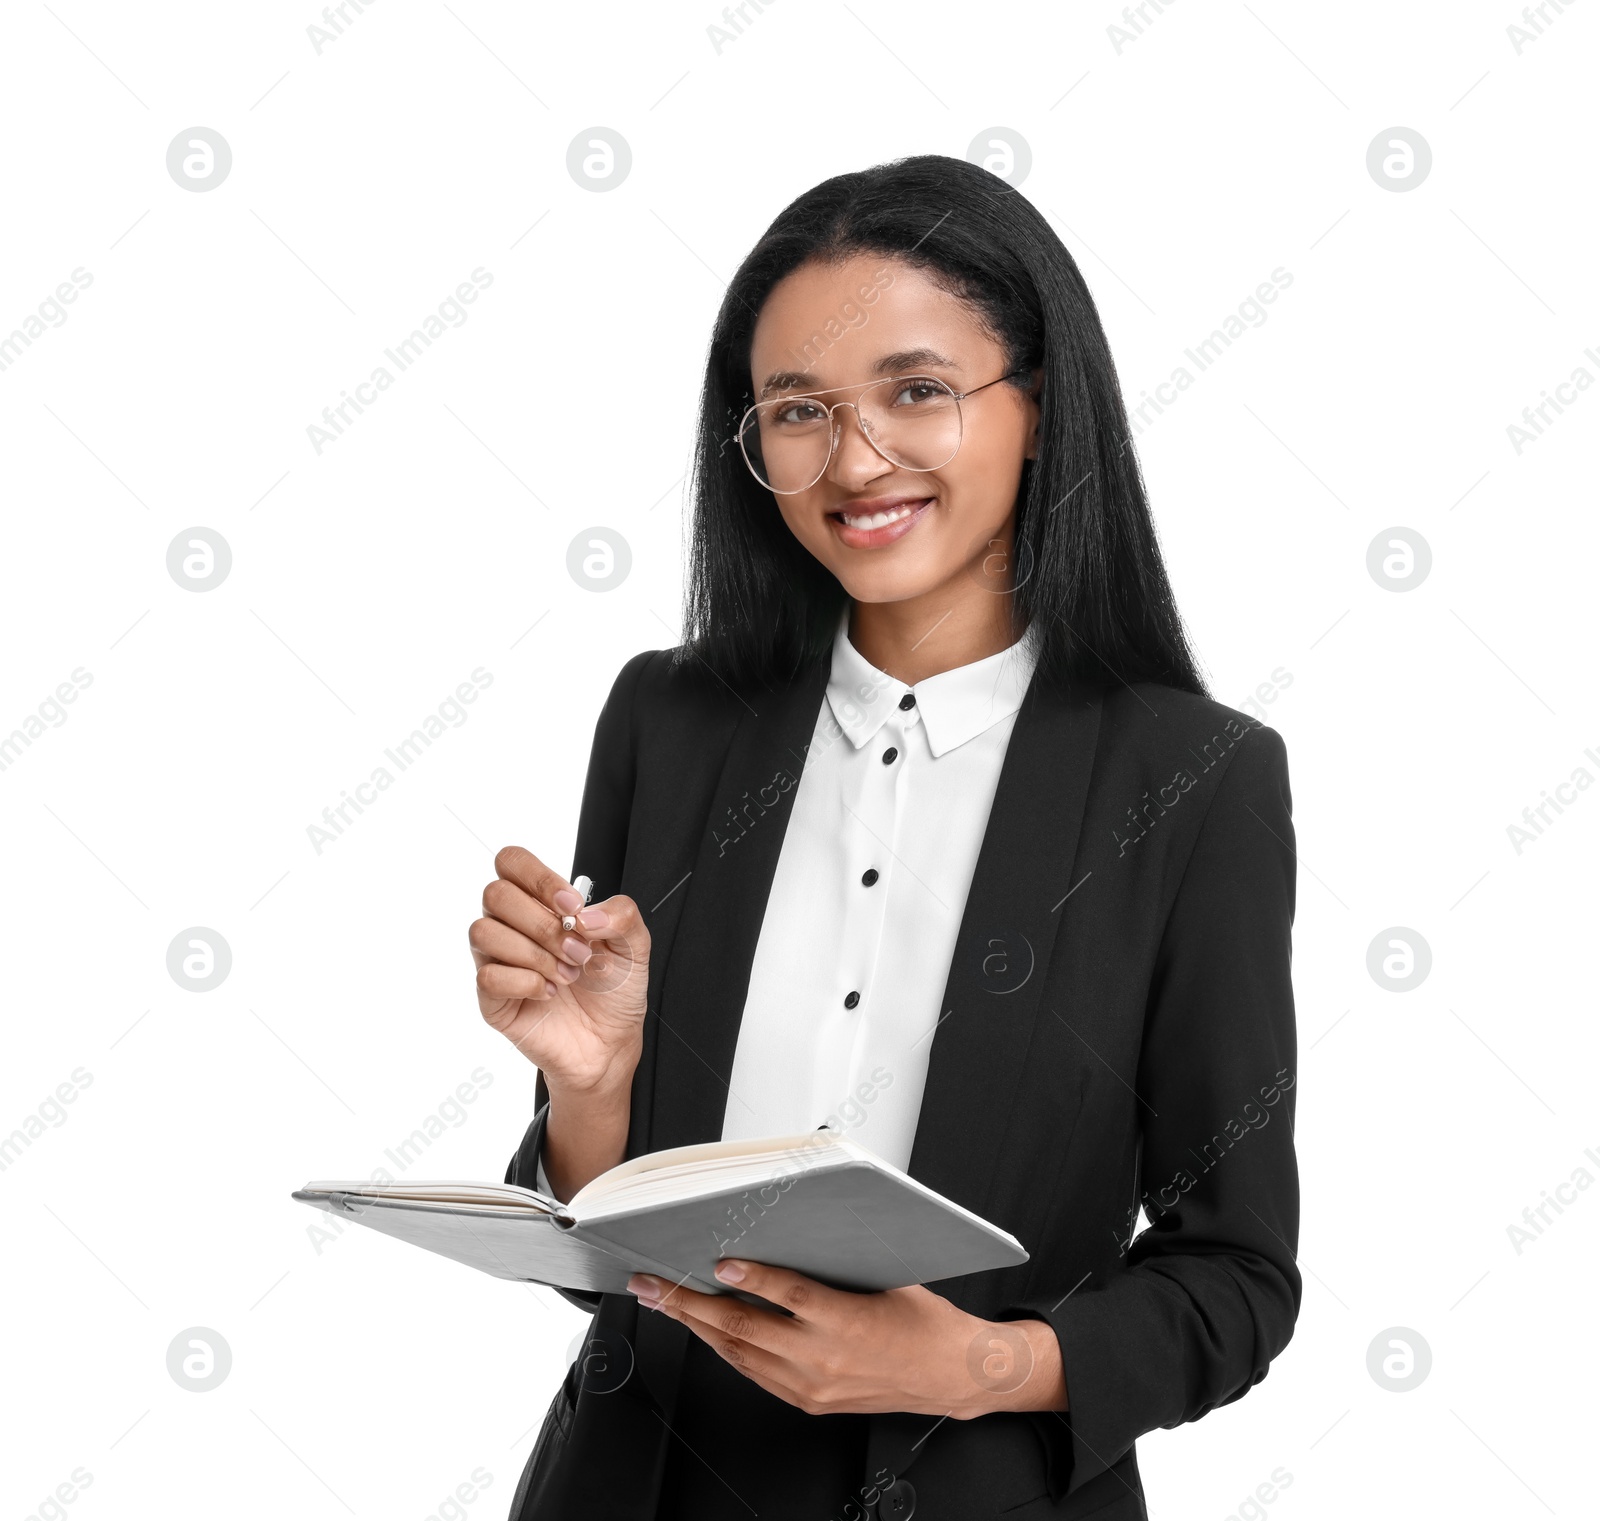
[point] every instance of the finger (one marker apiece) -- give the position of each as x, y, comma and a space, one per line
493, 941
653, 1291
502, 988
761, 1367
531, 874
803, 1297
617, 919
514, 906
719, 1313
541, 882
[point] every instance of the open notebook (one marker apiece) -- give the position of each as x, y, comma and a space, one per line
817, 1203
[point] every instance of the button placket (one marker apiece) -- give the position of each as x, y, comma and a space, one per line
871, 798
882, 797
890, 788
880, 813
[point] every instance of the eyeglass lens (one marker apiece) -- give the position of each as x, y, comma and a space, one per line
913, 421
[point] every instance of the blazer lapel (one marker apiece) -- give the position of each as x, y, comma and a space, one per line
713, 949
1008, 930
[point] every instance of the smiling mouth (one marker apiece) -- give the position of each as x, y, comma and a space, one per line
880, 518
878, 522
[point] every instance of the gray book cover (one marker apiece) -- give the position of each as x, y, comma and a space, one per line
820, 1205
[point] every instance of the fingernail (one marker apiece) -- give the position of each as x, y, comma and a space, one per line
595, 918
644, 1288
568, 901
575, 950
730, 1272
567, 973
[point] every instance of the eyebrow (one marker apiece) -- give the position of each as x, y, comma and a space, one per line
899, 363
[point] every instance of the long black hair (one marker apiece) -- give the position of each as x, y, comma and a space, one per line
1087, 568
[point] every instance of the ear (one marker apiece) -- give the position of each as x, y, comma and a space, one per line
1035, 391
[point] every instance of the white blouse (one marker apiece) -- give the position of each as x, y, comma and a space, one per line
867, 898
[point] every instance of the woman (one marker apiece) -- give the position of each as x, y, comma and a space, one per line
928, 831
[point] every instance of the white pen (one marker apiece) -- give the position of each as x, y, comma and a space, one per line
580, 885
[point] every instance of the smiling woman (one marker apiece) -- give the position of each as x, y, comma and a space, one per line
925, 596
985, 301
910, 414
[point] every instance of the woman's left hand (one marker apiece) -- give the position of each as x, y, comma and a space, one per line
862, 1354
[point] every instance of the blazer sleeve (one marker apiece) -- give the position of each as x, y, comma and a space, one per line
1207, 1296
600, 851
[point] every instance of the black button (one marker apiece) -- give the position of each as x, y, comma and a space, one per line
908, 701
851, 1000
897, 1502
869, 876
889, 755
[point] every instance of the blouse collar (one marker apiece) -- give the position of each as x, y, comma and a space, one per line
955, 705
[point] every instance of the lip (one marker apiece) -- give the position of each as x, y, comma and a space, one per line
874, 538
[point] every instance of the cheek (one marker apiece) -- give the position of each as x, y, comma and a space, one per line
981, 486
989, 483
803, 518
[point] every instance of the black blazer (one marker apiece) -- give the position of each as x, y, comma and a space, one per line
1118, 1029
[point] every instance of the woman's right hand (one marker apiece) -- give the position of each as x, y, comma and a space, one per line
572, 1002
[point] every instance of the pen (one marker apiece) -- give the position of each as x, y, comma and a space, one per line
580, 885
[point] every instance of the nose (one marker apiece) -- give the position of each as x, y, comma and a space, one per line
854, 462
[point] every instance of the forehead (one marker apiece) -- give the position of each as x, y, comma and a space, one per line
835, 322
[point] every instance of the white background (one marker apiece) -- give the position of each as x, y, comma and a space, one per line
367, 581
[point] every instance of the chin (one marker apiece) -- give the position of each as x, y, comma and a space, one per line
888, 584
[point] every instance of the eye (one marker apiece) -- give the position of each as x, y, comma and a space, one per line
917, 391
797, 412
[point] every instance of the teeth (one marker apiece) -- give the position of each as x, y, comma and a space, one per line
880, 519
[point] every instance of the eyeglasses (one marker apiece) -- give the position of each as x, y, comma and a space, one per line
913, 421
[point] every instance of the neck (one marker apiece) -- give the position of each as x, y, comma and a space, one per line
922, 636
